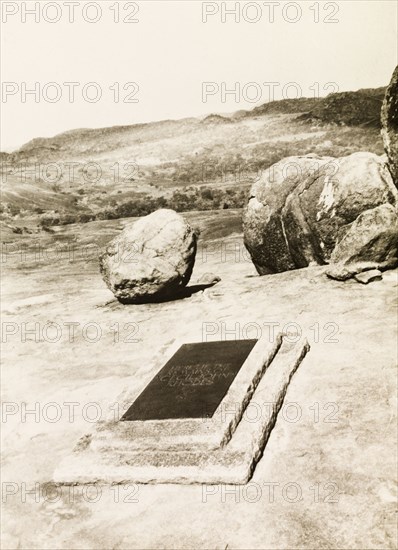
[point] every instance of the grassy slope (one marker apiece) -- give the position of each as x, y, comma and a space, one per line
153, 160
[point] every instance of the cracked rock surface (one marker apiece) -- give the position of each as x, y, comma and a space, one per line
316, 210
152, 259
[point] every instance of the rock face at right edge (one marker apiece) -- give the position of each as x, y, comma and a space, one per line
389, 122
319, 210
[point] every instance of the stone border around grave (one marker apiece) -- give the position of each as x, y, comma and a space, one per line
233, 463
186, 434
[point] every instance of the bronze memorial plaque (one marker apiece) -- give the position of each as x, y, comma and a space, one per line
193, 382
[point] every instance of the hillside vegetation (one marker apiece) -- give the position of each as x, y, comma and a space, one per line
189, 164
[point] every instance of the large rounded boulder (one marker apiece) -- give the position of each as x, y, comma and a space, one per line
307, 210
389, 123
151, 260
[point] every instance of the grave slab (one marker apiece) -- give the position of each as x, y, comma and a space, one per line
193, 382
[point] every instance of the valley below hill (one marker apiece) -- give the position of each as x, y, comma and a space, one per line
203, 163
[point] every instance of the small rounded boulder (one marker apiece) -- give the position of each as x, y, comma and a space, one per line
151, 260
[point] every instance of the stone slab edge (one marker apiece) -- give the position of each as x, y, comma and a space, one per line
179, 434
235, 463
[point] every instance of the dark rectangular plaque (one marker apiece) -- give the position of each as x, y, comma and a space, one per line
193, 382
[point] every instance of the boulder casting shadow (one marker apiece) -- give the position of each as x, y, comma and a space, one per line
320, 210
185, 292
151, 260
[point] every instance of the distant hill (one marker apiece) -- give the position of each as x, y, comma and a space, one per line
350, 108
361, 108
192, 163
216, 119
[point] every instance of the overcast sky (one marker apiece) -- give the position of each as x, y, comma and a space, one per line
164, 59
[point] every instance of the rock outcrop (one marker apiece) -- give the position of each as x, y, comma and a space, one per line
371, 237
209, 279
342, 272
316, 210
370, 276
389, 122
151, 260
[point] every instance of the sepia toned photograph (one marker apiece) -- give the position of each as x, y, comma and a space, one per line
199, 259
